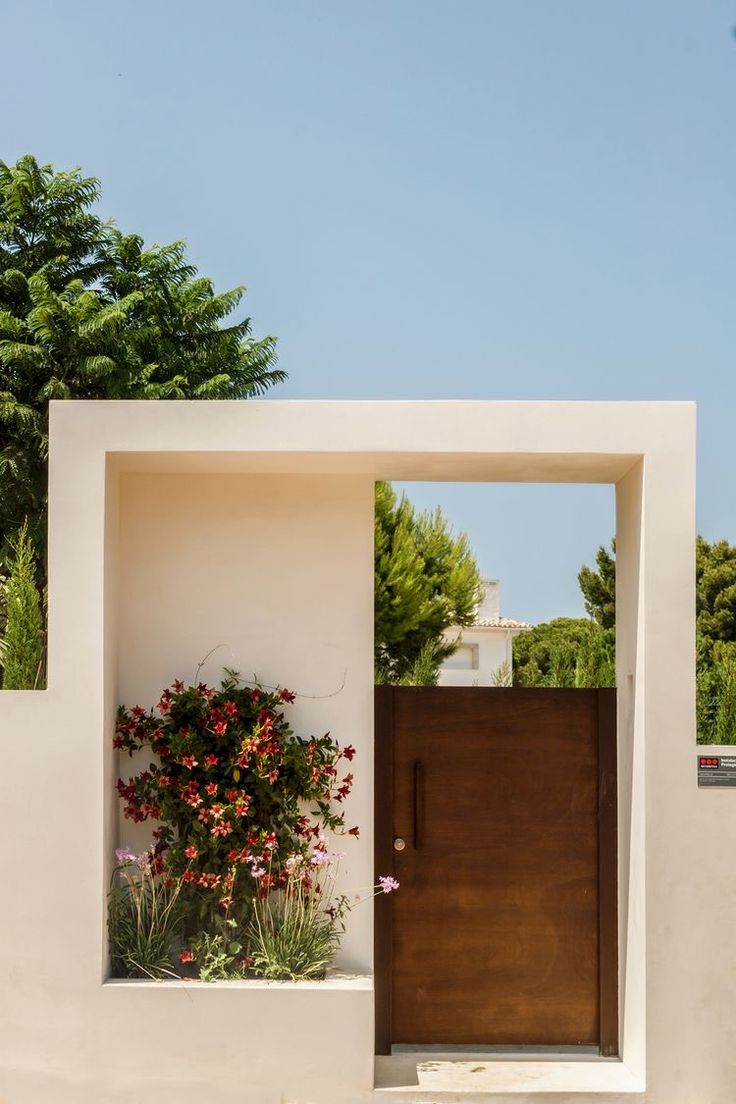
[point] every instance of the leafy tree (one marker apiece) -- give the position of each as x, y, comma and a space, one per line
715, 588
599, 587
87, 312
715, 591
23, 644
426, 579
567, 651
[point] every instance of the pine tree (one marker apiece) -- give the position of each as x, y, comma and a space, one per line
24, 631
599, 587
426, 579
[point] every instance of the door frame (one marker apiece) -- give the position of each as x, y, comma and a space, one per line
608, 935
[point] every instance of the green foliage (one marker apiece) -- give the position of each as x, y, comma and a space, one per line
503, 675
426, 579
87, 312
295, 931
23, 646
715, 592
716, 692
599, 587
424, 671
567, 651
595, 663
291, 937
218, 956
143, 919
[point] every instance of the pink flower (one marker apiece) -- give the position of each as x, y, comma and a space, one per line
387, 883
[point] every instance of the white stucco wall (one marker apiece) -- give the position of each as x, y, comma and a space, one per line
125, 615
485, 651
491, 648
274, 574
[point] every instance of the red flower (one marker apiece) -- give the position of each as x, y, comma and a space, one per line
137, 711
220, 728
209, 880
286, 695
118, 743
355, 831
191, 852
210, 760
189, 876
231, 709
226, 902
189, 761
186, 956
178, 685
348, 752
211, 788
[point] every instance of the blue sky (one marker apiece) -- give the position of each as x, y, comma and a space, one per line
456, 199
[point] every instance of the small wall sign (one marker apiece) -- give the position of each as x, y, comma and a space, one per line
717, 770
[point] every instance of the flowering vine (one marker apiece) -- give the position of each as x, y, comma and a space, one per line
233, 792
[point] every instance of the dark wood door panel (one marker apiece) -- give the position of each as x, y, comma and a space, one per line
495, 931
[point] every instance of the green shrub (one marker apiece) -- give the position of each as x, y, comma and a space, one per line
716, 694
23, 650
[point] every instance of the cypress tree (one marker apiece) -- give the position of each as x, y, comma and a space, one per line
24, 642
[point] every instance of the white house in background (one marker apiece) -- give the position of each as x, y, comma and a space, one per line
485, 646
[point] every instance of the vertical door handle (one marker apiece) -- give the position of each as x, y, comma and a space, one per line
418, 805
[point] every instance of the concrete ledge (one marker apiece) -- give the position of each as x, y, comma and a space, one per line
362, 982
411, 1078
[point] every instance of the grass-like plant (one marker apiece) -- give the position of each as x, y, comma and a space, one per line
144, 918
295, 930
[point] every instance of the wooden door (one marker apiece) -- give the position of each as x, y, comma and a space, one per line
504, 930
